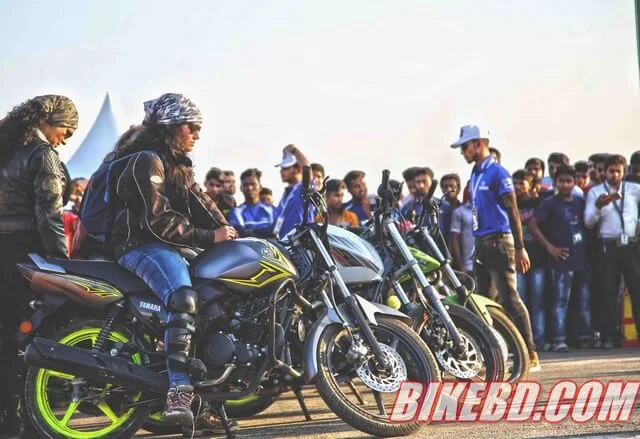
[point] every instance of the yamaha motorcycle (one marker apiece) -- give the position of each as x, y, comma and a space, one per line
432, 253
269, 313
464, 346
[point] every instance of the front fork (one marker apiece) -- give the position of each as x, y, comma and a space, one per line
428, 290
350, 301
464, 296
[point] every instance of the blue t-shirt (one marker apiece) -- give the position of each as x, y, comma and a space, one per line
446, 211
357, 209
255, 220
489, 182
564, 221
289, 212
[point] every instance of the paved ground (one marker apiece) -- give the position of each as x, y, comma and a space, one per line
284, 419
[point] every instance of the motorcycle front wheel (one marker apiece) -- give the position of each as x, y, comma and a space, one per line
361, 394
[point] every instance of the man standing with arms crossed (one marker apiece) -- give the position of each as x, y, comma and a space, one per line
497, 230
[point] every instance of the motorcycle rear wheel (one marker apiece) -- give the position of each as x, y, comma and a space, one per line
49, 402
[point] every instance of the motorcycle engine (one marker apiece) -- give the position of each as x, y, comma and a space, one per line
241, 342
221, 349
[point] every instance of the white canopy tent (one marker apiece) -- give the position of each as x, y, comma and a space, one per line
98, 142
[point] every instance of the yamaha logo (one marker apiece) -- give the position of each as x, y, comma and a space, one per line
150, 306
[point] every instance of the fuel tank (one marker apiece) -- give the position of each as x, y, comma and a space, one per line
245, 266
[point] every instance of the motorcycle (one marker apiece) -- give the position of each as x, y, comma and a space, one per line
430, 249
269, 313
464, 346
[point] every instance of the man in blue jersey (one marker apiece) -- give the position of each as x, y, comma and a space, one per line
359, 203
497, 230
291, 208
252, 218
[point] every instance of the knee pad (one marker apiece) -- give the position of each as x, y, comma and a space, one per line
183, 300
177, 339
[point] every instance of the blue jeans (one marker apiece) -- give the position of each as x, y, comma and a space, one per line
562, 290
531, 289
164, 270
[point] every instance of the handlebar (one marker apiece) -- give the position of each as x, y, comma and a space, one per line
306, 178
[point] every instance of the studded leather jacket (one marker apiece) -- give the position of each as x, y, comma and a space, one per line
148, 204
34, 187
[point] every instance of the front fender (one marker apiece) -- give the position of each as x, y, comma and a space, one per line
312, 339
370, 309
482, 302
331, 317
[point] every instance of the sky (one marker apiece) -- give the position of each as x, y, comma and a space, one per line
354, 84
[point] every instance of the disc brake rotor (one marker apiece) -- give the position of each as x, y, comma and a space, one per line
468, 365
503, 344
388, 381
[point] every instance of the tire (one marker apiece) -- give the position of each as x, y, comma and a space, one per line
39, 393
422, 365
518, 370
479, 337
250, 406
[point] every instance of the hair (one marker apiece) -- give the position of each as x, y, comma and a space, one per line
266, 191
228, 173
558, 157
351, 176
424, 171
581, 166
317, 167
535, 161
566, 170
635, 158
523, 175
409, 173
162, 140
334, 185
600, 157
615, 159
446, 177
497, 153
251, 172
18, 126
213, 174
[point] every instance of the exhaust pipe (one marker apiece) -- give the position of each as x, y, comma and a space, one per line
94, 366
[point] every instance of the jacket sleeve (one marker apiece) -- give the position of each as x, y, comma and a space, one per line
166, 224
48, 187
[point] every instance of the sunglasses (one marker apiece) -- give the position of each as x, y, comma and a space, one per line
194, 127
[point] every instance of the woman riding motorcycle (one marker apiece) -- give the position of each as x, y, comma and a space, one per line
33, 191
154, 209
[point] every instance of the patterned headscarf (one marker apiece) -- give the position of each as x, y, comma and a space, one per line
171, 109
60, 110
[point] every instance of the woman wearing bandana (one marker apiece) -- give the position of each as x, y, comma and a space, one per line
155, 209
33, 191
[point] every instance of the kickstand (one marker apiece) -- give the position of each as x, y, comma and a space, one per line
225, 421
303, 406
356, 393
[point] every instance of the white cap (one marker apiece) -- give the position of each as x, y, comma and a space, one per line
287, 161
470, 132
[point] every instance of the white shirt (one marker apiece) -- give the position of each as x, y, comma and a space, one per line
608, 218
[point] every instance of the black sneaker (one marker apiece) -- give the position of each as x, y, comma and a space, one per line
208, 423
178, 407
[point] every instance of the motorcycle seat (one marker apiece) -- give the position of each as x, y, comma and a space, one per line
107, 271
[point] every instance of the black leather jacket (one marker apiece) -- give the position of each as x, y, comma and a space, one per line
34, 186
